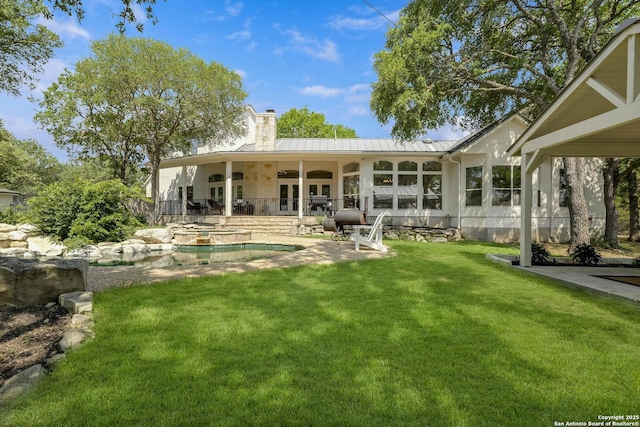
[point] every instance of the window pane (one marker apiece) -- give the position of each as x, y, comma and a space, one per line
501, 197
237, 176
474, 178
382, 201
319, 175
404, 180
432, 184
217, 177
382, 165
501, 177
326, 190
407, 202
351, 184
313, 189
408, 166
431, 202
474, 198
432, 166
380, 179
516, 177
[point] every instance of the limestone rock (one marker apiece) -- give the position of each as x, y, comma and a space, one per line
110, 248
155, 235
30, 229
20, 382
85, 251
18, 235
45, 246
27, 282
6, 228
81, 321
77, 302
161, 247
73, 338
54, 360
19, 244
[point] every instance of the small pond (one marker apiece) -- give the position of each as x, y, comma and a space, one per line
189, 255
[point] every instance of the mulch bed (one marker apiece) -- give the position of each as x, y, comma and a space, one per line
28, 336
629, 280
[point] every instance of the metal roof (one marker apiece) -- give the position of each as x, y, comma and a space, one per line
379, 145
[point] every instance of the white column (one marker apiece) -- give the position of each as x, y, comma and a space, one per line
184, 192
525, 211
300, 189
228, 188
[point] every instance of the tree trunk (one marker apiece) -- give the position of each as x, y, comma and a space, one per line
610, 174
578, 215
634, 215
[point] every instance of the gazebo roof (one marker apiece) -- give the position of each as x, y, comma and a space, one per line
598, 113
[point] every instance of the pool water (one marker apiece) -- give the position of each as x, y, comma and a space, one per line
201, 255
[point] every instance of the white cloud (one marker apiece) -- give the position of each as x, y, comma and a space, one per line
369, 23
51, 72
325, 50
241, 73
68, 28
359, 110
239, 35
321, 91
234, 9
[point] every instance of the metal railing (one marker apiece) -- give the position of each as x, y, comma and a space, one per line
313, 206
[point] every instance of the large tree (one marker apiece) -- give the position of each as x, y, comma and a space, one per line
308, 124
26, 45
142, 93
24, 165
473, 61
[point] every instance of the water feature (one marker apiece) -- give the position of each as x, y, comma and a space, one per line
189, 255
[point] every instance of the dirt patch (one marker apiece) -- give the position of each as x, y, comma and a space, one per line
28, 336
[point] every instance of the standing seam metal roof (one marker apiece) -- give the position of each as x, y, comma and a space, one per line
355, 144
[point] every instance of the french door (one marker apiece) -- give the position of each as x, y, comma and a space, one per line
288, 202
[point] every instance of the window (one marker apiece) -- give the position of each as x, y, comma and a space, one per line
283, 174
319, 175
216, 177
237, 176
407, 185
351, 167
189, 192
474, 186
432, 185
505, 182
563, 190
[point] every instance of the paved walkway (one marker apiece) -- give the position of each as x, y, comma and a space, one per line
317, 251
586, 278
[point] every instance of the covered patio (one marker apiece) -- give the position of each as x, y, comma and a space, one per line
597, 115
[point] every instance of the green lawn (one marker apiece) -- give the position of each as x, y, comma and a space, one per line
434, 336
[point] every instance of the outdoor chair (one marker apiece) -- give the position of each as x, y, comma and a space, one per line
370, 235
194, 206
215, 206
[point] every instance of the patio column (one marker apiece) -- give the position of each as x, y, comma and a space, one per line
184, 192
300, 189
525, 210
228, 188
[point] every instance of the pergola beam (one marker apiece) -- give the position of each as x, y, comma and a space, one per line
607, 93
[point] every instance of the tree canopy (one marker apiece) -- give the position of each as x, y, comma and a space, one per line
308, 124
138, 95
472, 61
25, 165
27, 45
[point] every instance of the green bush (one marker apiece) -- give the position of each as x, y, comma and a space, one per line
539, 255
81, 211
585, 254
12, 215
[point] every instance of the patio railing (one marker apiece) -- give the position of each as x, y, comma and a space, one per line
314, 206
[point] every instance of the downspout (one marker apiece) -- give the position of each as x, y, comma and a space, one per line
459, 192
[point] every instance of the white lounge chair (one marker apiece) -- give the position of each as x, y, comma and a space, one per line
370, 235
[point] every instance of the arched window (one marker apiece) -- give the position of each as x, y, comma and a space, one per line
351, 167
319, 175
216, 177
432, 167
407, 166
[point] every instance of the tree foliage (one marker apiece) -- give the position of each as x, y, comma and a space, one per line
140, 96
26, 45
308, 124
473, 61
25, 165
85, 211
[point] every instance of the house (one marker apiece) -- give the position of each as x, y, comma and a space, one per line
8, 198
472, 184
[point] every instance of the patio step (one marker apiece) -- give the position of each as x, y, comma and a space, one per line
262, 225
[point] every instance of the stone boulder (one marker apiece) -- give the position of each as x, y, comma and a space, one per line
45, 246
155, 235
6, 228
18, 235
27, 282
85, 251
21, 382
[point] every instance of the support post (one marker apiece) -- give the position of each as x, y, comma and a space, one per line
525, 211
184, 193
300, 189
228, 188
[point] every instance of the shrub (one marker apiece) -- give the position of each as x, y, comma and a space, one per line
12, 215
90, 212
585, 254
539, 255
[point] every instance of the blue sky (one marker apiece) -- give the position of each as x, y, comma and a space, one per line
290, 54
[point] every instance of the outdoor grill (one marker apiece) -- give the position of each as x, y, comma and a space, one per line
341, 219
